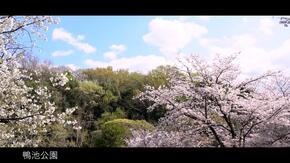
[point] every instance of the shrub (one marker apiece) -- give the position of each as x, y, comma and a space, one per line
114, 132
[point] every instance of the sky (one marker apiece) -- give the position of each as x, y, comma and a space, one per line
141, 43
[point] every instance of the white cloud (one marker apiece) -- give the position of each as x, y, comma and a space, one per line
183, 18
237, 41
243, 40
61, 34
139, 63
118, 48
205, 18
115, 49
170, 36
266, 25
61, 53
81, 37
253, 58
110, 55
72, 67
245, 20
95, 63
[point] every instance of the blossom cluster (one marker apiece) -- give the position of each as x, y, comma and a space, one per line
14, 27
235, 111
25, 112
59, 80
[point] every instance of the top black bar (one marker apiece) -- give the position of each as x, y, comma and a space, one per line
143, 7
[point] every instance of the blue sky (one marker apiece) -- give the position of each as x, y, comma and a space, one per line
141, 43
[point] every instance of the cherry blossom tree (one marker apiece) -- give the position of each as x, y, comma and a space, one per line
232, 111
171, 132
25, 112
19, 33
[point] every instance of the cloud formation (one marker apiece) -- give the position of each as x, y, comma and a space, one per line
115, 50
170, 36
77, 42
205, 18
253, 58
266, 26
138, 63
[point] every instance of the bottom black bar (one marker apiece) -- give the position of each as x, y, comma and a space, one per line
146, 154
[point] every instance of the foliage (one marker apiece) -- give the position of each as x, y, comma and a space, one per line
59, 136
26, 107
114, 132
26, 112
108, 116
121, 86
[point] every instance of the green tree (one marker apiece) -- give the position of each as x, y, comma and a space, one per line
114, 132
